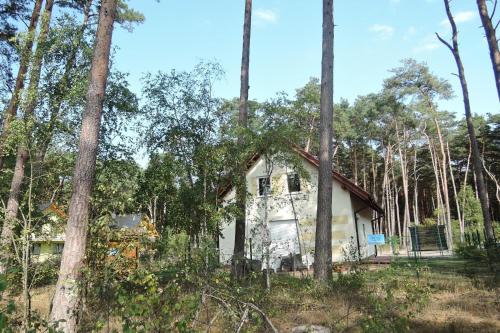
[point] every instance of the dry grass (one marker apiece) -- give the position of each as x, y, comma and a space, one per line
41, 299
458, 302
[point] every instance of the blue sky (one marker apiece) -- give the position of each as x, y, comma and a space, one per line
371, 37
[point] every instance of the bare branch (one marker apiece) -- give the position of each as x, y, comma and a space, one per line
253, 306
445, 43
243, 319
494, 9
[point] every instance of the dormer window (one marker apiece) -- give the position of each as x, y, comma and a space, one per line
264, 186
293, 180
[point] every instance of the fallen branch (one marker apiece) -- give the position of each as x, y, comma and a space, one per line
245, 307
243, 319
212, 321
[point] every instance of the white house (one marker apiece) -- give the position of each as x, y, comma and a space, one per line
290, 216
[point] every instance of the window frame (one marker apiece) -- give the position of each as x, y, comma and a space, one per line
38, 246
56, 248
296, 174
268, 186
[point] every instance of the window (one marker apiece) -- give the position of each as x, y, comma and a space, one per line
364, 231
58, 248
264, 185
35, 249
293, 182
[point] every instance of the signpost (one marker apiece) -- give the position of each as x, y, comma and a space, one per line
376, 239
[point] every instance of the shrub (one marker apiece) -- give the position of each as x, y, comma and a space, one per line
45, 273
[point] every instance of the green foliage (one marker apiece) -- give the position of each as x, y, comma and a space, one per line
44, 273
127, 16
115, 187
10, 320
471, 252
391, 311
472, 213
394, 241
6, 310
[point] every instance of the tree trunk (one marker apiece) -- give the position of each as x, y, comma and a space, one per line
444, 183
241, 185
11, 111
415, 190
22, 152
465, 183
455, 194
355, 164
434, 160
62, 87
10, 213
491, 37
476, 159
323, 243
404, 175
66, 298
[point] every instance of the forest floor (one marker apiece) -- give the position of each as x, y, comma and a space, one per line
447, 295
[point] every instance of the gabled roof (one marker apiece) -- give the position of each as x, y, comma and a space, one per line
346, 184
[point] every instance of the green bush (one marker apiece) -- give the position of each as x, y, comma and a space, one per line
394, 242
392, 302
45, 273
471, 252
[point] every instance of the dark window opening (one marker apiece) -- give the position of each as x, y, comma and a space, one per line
264, 185
293, 182
35, 249
58, 248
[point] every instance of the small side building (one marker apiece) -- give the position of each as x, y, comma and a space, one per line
127, 234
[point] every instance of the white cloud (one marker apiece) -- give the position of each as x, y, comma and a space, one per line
427, 44
461, 17
383, 31
266, 15
410, 32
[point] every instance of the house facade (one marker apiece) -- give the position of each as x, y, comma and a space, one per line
281, 208
129, 231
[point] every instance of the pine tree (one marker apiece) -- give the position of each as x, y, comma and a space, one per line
323, 243
66, 298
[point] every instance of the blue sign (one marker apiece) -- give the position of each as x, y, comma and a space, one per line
376, 239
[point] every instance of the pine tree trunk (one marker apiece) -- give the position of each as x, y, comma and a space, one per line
66, 298
465, 183
241, 186
491, 37
11, 111
323, 242
455, 194
355, 164
404, 175
476, 158
444, 183
22, 151
415, 190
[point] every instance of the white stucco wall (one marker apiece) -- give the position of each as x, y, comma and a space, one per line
280, 209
